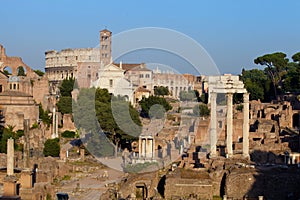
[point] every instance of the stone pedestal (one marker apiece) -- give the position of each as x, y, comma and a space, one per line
26, 179
10, 186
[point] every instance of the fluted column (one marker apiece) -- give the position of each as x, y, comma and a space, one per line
213, 124
229, 124
246, 126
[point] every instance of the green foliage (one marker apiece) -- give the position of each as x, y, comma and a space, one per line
44, 116
276, 64
67, 86
201, 110
68, 134
19, 133
161, 91
296, 57
9, 133
52, 147
21, 71
292, 79
39, 72
6, 72
64, 105
158, 111
257, 84
34, 125
104, 116
188, 95
240, 107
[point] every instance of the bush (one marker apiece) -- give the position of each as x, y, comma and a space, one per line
51, 147
68, 134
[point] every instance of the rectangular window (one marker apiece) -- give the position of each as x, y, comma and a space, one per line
1, 88
110, 83
141, 75
147, 76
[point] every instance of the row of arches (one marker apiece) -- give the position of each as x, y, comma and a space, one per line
21, 71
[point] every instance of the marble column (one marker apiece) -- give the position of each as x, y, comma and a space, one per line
229, 124
140, 147
10, 157
246, 126
143, 147
213, 124
148, 147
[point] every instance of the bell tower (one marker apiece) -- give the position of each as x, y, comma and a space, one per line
105, 47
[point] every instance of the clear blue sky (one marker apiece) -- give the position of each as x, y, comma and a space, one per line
233, 32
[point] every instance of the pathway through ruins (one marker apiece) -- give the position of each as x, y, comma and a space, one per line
92, 185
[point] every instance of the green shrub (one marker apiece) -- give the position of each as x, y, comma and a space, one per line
68, 134
51, 147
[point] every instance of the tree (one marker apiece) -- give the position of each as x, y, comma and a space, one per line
188, 95
292, 79
9, 133
257, 83
161, 91
52, 147
97, 112
157, 111
39, 72
67, 86
296, 57
64, 105
21, 71
201, 110
44, 115
276, 64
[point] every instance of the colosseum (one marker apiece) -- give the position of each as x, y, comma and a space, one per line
65, 63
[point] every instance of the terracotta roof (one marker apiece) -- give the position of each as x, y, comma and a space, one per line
128, 66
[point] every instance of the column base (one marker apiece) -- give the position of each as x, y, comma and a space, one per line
246, 156
229, 155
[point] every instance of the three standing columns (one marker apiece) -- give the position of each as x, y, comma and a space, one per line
229, 121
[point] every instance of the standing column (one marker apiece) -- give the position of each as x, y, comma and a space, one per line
26, 144
56, 125
246, 126
10, 157
53, 122
153, 148
213, 124
143, 147
229, 124
140, 147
